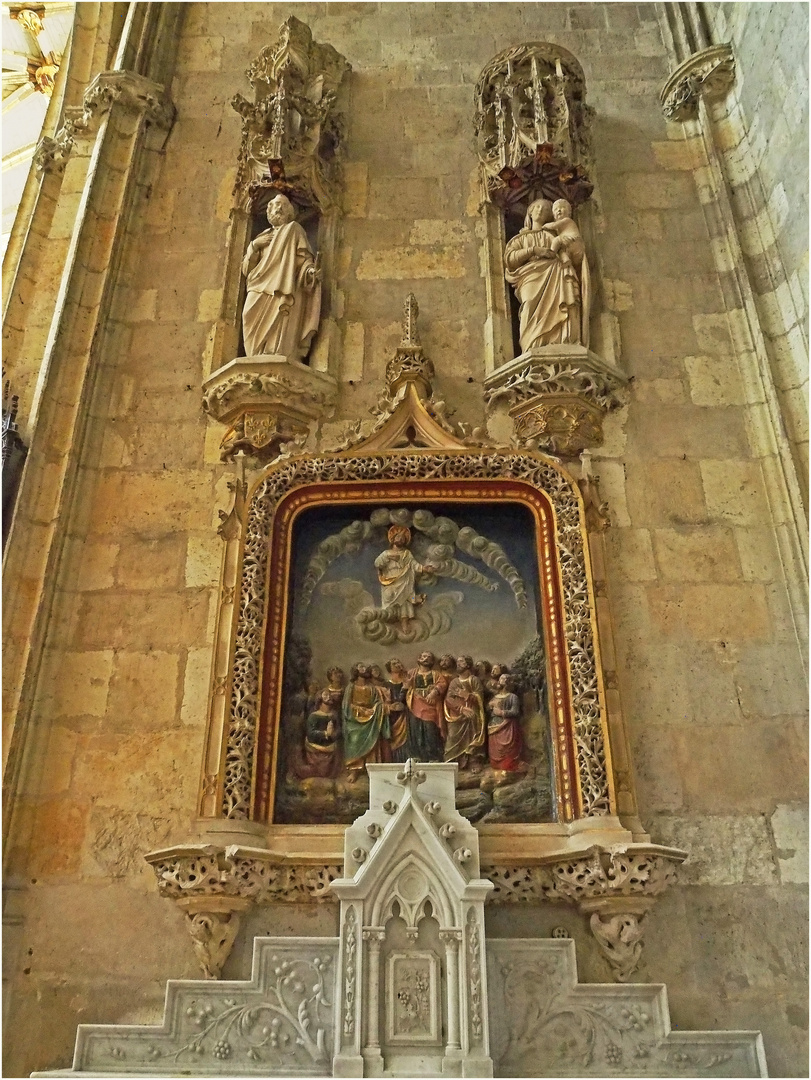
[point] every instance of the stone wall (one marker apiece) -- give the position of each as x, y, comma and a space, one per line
708, 662
763, 129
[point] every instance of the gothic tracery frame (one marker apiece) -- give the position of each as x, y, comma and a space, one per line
231, 791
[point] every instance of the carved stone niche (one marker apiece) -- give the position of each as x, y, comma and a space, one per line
291, 147
557, 397
532, 125
706, 74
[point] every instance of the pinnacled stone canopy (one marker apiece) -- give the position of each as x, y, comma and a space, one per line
532, 125
292, 128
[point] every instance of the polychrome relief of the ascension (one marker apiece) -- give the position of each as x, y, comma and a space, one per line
414, 632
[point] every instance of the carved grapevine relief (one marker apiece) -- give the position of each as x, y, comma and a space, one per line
544, 1022
405, 466
350, 972
289, 1017
413, 998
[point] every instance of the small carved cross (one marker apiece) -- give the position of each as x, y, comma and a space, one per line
411, 776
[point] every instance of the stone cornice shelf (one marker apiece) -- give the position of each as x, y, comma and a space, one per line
615, 885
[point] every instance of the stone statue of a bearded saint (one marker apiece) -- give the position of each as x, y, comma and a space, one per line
283, 304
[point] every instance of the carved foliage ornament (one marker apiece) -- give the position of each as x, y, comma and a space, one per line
405, 466
291, 133
709, 74
130, 90
552, 1026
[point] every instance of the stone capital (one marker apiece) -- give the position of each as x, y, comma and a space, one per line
129, 90
709, 74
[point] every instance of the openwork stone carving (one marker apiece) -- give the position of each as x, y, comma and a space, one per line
558, 396
291, 133
414, 466
639, 870
615, 889
267, 402
128, 89
207, 870
709, 74
532, 126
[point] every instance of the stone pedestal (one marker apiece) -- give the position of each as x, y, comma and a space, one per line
267, 402
557, 397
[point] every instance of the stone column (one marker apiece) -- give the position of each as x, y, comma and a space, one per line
372, 1057
451, 940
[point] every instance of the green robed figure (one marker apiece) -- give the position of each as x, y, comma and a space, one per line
365, 721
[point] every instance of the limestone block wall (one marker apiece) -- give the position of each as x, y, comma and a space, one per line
708, 663
763, 129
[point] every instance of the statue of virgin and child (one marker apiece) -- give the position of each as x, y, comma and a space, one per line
546, 265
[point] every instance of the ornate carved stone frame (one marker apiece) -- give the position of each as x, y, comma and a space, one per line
241, 739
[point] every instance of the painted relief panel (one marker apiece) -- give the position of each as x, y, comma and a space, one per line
414, 629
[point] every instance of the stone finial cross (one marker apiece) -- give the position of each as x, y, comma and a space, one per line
411, 776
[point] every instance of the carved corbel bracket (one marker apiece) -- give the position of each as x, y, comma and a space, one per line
615, 887
108, 88
268, 404
213, 923
213, 884
616, 923
557, 397
708, 74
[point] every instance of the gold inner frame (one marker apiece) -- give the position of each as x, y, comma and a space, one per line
550, 615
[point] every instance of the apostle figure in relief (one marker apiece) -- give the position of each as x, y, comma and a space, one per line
283, 303
365, 721
395, 690
504, 743
547, 267
426, 720
397, 571
464, 714
321, 740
